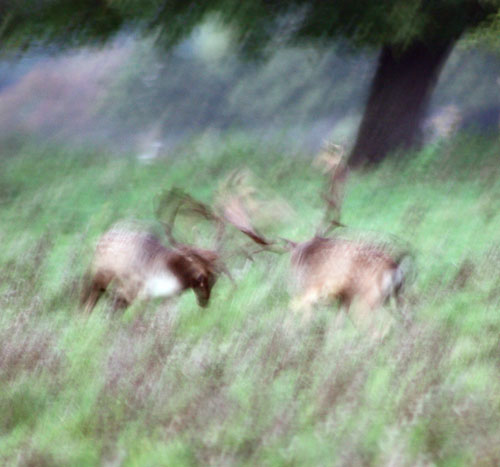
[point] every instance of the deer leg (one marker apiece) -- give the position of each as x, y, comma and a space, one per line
401, 310
95, 290
372, 318
126, 292
345, 305
304, 305
119, 303
93, 295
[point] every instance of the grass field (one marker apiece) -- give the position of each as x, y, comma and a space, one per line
172, 384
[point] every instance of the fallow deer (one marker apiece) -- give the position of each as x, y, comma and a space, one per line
357, 273
353, 272
139, 266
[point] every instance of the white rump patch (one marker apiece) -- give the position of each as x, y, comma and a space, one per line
162, 285
391, 279
388, 282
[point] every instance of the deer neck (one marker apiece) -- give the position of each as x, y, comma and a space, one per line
181, 267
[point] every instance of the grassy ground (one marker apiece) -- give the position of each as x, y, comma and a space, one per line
171, 384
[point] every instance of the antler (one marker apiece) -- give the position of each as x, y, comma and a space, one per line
235, 201
174, 201
331, 160
168, 205
234, 205
234, 212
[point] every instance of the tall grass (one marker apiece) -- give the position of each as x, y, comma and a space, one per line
171, 384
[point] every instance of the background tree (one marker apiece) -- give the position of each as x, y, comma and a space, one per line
414, 37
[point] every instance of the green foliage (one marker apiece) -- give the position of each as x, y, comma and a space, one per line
66, 23
255, 24
171, 384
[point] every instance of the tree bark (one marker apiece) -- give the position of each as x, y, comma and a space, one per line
398, 99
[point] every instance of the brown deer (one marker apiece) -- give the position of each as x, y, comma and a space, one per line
353, 272
356, 272
139, 266
360, 274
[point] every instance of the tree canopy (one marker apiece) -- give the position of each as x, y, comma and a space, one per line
400, 23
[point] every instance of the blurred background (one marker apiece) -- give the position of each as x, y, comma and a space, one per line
132, 94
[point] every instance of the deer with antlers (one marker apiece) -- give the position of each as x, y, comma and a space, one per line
139, 266
361, 275
353, 272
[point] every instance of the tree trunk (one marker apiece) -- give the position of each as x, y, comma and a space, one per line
398, 99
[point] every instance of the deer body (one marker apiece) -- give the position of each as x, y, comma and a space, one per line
361, 275
345, 270
140, 267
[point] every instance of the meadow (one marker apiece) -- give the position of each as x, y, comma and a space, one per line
168, 383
